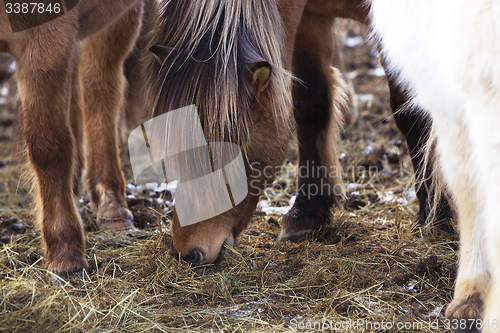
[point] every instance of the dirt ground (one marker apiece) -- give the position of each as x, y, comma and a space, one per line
371, 270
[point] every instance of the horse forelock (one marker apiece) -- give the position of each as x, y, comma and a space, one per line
214, 43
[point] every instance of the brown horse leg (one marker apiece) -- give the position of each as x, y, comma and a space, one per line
102, 85
76, 121
43, 76
350, 114
317, 115
416, 128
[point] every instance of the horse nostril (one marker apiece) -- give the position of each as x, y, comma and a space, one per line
195, 256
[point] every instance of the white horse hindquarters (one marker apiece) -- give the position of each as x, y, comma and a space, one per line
447, 52
417, 39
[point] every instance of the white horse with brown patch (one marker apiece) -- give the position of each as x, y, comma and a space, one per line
448, 54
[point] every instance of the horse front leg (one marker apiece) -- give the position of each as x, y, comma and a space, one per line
102, 85
77, 126
318, 99
45, 64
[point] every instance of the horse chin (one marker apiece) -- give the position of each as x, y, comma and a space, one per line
231, 240
216, 249
201, 243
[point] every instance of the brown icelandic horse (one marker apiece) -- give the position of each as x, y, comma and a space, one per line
232, 69
315, 116
70, 74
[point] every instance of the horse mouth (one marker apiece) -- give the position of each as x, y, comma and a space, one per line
195, 256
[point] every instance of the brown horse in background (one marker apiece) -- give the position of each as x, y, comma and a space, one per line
70, 73
193, 60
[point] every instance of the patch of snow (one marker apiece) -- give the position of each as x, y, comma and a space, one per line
387, 197
133, 187
374, 306
263, 204
352, 187
354, 41
172, 186
411, 285
151, 186
161, 188
365, 97
277, 210
378, 72
436, 312
402, 201
368, 150
406, 197
410, 194
4, 91
269, 210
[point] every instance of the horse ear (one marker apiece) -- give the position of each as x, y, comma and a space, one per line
260, 76
161, 52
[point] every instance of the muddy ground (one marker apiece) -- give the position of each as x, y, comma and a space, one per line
371, 270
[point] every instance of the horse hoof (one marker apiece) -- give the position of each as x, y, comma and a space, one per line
294, 236
297, 227
115, 217
116, 224
59, 279
470, 307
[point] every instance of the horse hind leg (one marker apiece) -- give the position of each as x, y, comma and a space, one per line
45, 98
457, 162
484, 121
102, 84
318, 97
416, 128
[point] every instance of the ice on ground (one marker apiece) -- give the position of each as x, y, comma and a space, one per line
271, 210
354, 41
365, 97
378, 72
406, 197
151, 186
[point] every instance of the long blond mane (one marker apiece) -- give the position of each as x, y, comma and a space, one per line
214, 42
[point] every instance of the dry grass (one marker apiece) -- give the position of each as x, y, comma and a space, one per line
371, 263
